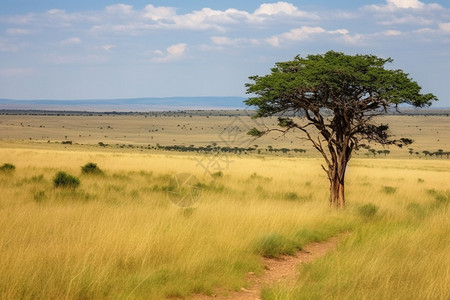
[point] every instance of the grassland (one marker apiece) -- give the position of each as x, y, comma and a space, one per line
119, 235
199, 128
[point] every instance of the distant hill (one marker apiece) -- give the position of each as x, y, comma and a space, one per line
125, 105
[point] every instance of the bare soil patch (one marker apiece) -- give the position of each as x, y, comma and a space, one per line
282, 270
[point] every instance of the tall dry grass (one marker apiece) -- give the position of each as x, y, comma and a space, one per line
119, 236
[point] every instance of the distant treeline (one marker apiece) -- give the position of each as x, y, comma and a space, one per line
209, 148
236, 150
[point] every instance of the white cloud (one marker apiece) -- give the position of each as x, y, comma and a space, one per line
399, 5
406, 3
407, 19
18, 31
391, 32
237, 42
297, 34
119, 9
71, 41
159, 13
276, 9
162, 17
173, 52
108, 47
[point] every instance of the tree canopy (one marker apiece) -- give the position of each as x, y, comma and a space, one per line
338, 95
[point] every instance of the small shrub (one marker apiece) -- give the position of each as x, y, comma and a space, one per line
367, 210
420, 180
91, 168
389, 189
62, 179
274, 245
7, 167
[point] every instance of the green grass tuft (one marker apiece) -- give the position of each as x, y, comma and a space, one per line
368, 210
7, 167
274, 245
62, 179
91, 168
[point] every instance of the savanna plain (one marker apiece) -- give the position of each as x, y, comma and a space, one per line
133, 228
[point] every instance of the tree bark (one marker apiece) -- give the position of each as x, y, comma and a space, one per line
336, 175
337, 194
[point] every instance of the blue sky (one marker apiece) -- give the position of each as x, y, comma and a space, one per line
52, 49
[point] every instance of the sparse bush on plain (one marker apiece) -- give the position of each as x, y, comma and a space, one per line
368, 210
7, 167
62, 179
91, 168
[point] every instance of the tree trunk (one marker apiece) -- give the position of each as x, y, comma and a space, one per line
337, 195
336, 175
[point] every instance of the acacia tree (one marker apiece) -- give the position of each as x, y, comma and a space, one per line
338, 96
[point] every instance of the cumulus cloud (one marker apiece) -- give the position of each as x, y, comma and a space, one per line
396, 5
71, 41
119, 9
276, 8
163, 17
173, 52
234, 42
159, 13
298, 34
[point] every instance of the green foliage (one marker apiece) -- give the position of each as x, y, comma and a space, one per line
7, 167
255, 132
337, 95
91, 168
313, 79
368, 210
62, 179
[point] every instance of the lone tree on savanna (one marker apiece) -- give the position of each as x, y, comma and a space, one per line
332, 99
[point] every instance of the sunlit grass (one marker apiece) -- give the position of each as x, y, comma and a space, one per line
118, 235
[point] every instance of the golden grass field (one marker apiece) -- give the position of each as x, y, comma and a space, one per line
119, 235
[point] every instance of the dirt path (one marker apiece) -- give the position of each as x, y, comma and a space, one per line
281, 270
